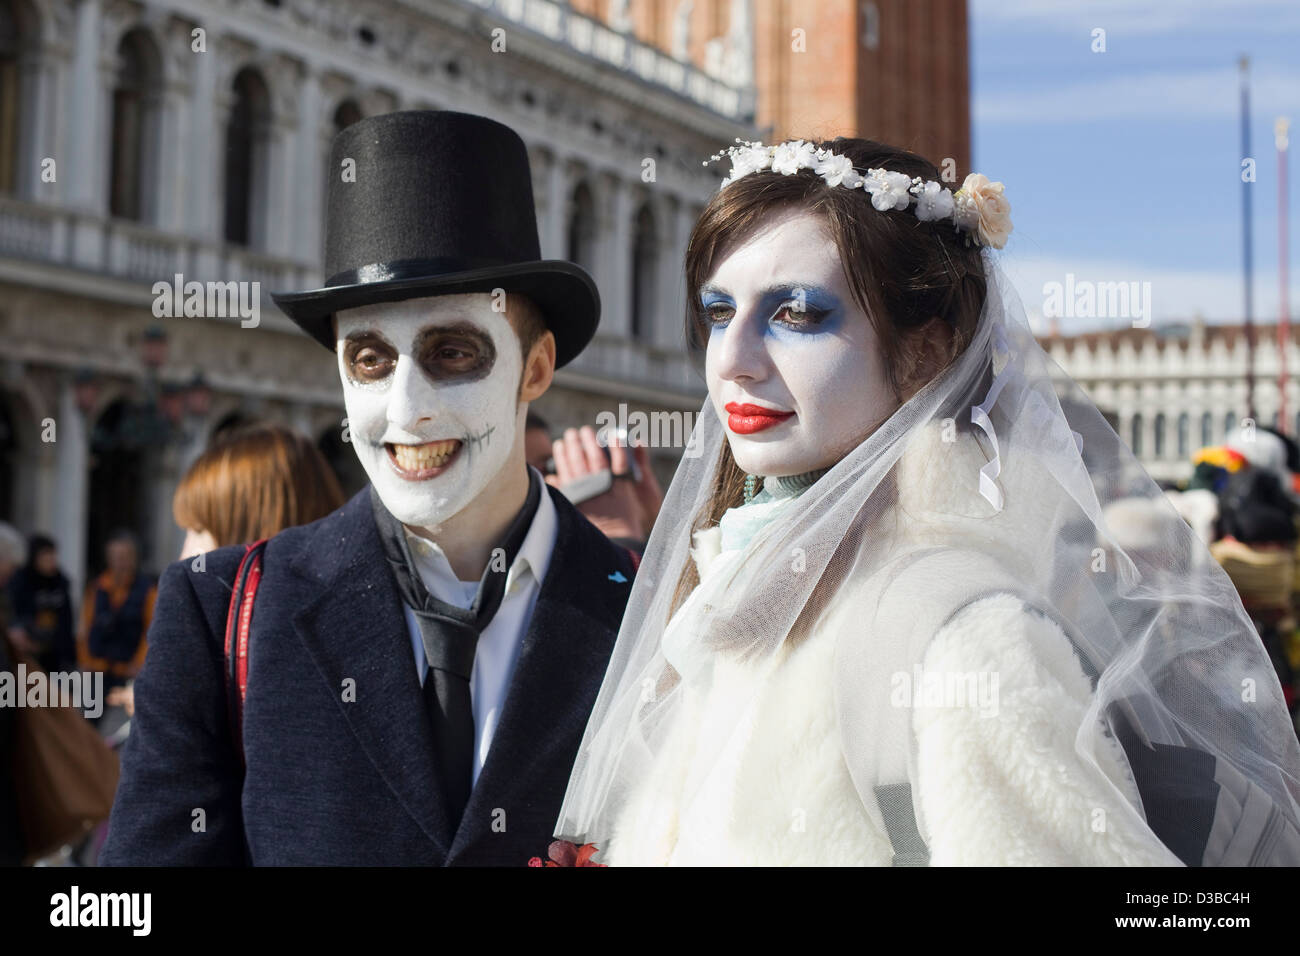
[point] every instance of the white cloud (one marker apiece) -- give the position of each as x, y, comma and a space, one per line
1176, 295
1202, 95
1134, 17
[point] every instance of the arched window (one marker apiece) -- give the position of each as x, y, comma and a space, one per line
1230, 423
645, 263
135, 146
347, 114
1184, 428
582, 227
17, 29
1135, 435
1159, 442
1207, 430
247, 140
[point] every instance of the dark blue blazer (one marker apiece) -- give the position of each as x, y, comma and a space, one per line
334, 781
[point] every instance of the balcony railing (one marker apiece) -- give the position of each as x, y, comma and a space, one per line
55, 236
555, 20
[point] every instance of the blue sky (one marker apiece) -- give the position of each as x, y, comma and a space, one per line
1125, 165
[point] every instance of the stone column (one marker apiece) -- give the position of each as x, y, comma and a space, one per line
672, 282
555, 232
39, 82
71, 484
614, 254
84, 118
210, 265
309, 169
206, 148
172, 180
273, 191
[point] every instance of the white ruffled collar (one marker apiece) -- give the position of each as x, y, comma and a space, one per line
938, 481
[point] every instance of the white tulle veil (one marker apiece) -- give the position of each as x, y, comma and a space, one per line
1157, 625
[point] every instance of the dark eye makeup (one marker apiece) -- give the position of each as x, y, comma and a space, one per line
461, 352
368, 358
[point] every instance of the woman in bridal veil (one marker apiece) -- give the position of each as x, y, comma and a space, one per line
910, 599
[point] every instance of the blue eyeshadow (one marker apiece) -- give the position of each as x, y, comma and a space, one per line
817, 301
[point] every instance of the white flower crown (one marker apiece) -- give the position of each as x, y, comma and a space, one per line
978, 208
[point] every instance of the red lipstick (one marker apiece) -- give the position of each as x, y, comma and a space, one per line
747, 419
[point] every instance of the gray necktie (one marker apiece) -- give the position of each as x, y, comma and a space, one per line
450, 636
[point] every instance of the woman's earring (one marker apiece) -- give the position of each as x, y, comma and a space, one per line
750, 482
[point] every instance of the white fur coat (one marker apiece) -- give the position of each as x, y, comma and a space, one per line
1008, 789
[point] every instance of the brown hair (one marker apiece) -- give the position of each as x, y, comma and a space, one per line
919, 283
253, 482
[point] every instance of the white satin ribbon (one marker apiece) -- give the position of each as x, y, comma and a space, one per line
979, 416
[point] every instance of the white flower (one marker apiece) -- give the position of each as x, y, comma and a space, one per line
965, 214
793, 156
748, 159
888, 190
979, 207
984, 209
932, 201
837, 170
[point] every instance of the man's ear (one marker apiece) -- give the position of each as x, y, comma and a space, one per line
539, 368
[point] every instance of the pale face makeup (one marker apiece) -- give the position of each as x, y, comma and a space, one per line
793, 363
431, 390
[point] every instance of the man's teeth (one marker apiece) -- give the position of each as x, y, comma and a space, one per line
418, 457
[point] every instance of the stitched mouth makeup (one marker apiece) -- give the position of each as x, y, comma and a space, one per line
431, 388
421, 462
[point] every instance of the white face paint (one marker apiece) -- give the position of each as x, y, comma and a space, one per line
790, 351
431, 388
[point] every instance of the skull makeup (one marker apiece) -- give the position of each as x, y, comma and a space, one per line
431, 387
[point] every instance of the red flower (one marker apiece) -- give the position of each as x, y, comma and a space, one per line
564, 853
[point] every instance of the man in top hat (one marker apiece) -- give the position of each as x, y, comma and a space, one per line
422, 661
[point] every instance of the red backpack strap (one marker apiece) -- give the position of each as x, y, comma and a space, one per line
239, 618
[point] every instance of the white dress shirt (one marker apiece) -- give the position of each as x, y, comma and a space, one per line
498, 645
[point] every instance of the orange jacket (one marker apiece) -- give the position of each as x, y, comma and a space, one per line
117, 594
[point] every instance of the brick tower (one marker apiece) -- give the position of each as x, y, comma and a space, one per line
892, 70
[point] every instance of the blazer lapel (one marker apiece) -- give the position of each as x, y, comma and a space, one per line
561, 665
353, 627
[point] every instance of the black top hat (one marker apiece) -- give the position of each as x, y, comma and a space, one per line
442, 203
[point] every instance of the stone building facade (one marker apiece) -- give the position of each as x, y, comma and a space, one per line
140, 141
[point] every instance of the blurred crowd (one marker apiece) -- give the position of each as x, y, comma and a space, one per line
1243, 501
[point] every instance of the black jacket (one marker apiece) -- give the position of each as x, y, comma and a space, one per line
335, 782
